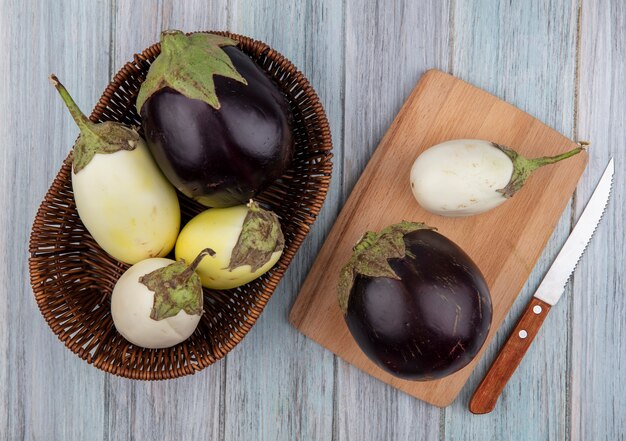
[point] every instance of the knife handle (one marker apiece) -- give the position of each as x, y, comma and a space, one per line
510, 356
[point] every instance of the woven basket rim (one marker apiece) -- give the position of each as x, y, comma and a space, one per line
259, 49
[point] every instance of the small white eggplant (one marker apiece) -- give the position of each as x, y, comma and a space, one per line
464, 177
157, 303
121, 196
247, 241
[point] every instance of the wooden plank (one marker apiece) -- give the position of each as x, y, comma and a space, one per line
44, 388
598, 407
196, 15
280, 384
6, 170
190, 407
135, 25
185, 408
527, 56
388, 47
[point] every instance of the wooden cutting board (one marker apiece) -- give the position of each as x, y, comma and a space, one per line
505, 242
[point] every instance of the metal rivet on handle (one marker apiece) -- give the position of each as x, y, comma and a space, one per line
523, 334
537, 309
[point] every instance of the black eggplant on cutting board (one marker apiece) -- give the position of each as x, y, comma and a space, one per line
216, 124
415, 303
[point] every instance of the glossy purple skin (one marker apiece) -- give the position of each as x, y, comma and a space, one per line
433, 321
222, 157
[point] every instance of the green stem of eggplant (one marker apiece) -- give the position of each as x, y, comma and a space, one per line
523, 167
365, 242
253, 206
79, 117
185, 275
173, 40
535, 163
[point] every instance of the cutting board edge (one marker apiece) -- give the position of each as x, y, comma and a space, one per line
438, 72
437, 403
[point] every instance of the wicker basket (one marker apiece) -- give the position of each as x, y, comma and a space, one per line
72, 277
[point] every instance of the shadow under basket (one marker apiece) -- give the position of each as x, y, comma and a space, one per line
72, 277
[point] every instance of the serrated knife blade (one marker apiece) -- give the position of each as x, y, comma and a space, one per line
553, 284
549, 292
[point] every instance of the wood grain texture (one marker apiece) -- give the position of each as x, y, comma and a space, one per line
511, 354
526, 54
598, 374
271, 395
44, 388
363, 58
190, 407
6, 170
388, 46
438, 110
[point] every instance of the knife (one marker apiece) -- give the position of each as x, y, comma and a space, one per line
549, 292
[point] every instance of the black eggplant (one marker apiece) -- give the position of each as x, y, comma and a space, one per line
415, 303
216, 124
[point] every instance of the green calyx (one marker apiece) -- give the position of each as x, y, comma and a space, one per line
187, 64
106, 137
260, 237
523, 167
176, 287
371, 254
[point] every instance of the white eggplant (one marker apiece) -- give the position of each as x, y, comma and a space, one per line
122, 198
247, 240
157, 303
464, 177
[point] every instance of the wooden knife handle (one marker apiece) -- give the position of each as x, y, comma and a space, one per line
510, 356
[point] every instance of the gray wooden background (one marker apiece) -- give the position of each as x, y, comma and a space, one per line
563, 61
